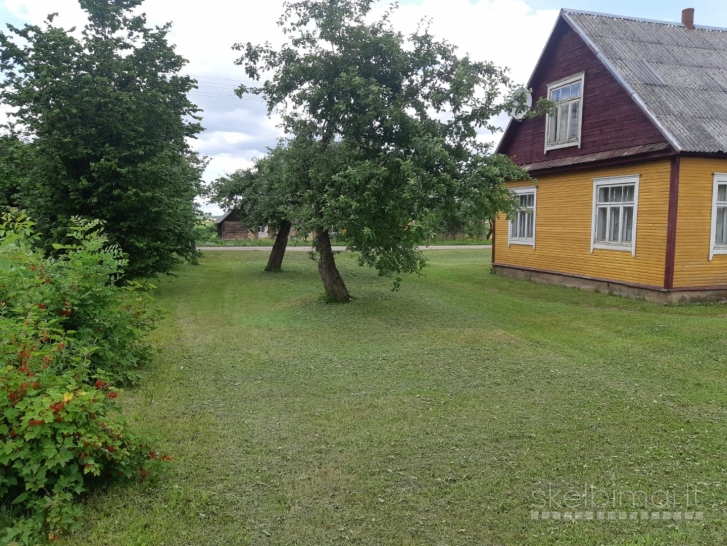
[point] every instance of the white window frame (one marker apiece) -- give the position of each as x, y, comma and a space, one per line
719, 179
548, 119
614, 181
520, 241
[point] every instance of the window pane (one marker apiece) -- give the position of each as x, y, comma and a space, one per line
601, 224
521, 220
529, 232
722, 192
603, 195
531, 200
615, 196
614, 221
628, 194
523, 200
573, 134
628, 229
562, 122
513, 228
575, 90
552, 126
555, 95
721, 236
565, 93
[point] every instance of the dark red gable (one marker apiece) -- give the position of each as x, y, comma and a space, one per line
611, 118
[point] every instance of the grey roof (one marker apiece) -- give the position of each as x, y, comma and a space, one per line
676, 75
222, 218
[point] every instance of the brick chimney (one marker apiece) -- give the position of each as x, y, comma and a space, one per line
688, 18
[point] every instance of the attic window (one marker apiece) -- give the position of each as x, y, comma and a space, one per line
564, 128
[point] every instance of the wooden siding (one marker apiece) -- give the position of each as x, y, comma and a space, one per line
563, 227
231, 230
692, 267
611, 118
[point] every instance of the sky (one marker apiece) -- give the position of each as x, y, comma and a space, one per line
510, 33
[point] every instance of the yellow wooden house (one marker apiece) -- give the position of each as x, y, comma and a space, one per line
631, 192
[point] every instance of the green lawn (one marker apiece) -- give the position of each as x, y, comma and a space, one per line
438, 415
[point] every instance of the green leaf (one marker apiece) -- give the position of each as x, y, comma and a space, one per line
21, 498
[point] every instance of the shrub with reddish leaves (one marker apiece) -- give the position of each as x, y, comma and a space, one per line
60, 431
78, 291
60, 437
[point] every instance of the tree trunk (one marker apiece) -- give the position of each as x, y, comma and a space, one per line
275, 262
332, 282
194, 259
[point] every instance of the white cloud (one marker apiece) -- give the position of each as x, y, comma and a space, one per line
507, 32
226, 163
222, 139
69, 12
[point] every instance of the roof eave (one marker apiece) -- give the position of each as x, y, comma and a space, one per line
499, 144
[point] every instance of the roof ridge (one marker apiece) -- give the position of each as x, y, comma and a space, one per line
640, 19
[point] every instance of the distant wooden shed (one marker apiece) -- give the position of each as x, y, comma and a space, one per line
231, 228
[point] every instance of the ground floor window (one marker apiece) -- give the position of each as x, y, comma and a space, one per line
522, 223
615, 203
719, 216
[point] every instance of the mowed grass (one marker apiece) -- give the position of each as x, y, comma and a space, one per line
442, 414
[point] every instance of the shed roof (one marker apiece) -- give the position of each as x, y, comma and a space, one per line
222, 218
678, 76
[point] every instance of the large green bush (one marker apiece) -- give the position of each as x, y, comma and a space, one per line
78, 292
68, 333
109, 131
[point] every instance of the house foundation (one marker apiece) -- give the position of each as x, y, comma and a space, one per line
624, 289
